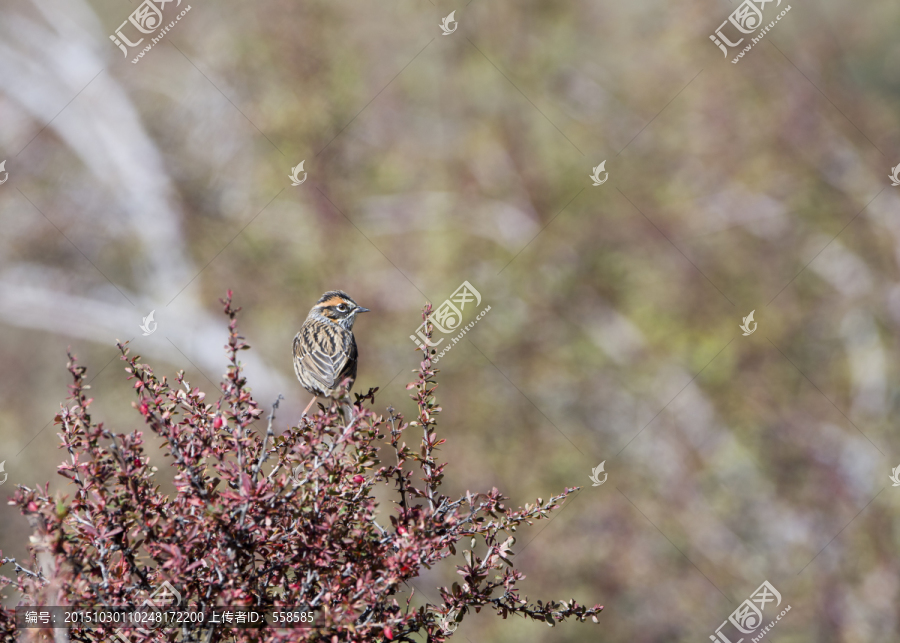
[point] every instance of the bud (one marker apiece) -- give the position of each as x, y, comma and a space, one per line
218, 422
358, 479
388, 632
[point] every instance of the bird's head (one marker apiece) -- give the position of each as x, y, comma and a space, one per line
337, 307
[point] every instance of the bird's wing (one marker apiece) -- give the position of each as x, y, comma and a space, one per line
325, 350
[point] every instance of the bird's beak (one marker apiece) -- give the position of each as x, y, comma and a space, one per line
360, 309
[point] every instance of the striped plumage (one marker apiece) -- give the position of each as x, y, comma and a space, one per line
325, 350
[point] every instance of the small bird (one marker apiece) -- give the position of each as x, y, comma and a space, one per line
325, 349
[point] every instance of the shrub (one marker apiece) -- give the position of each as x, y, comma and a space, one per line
266, 519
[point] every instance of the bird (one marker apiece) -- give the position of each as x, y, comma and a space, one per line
325, 350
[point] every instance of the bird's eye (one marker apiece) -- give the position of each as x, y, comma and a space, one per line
342, 308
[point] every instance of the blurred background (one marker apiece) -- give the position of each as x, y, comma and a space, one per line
613, 334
